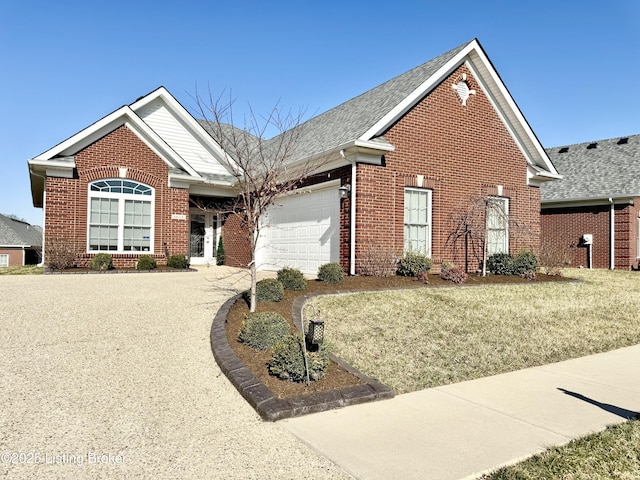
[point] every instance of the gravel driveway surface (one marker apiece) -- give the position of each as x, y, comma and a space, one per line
112, 376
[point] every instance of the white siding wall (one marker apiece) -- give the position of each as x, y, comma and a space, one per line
176, 134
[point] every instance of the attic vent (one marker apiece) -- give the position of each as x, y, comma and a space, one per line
564, 150
592, 145
462, 89
623, 141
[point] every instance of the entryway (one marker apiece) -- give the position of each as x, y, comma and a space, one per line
204, 231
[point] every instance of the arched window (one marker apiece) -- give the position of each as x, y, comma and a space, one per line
120, 216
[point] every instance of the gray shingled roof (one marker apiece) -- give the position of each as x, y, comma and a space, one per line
17, 232
350, 120
595, 170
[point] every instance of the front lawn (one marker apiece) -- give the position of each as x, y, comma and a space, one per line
416, 339
26, 270
613, 453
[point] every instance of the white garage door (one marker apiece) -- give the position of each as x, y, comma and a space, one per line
301, 231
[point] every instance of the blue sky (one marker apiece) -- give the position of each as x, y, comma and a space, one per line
573, 67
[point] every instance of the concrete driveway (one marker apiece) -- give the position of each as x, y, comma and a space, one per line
112, 376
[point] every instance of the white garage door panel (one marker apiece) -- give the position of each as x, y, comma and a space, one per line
301, 231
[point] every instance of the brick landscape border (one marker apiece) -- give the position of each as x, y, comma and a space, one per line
260, 397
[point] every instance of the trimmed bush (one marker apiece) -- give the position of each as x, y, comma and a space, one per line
525, 263
292, 279
454, 273
331, 273
288, 361
269, 290
263, 330
413, 263
102, 261
61, 254
220, 252
177, 261
500, 264
146, 262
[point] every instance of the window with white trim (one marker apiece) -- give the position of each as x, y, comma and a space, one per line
638, 239
417, 220
120, 216
4, 260
497, 225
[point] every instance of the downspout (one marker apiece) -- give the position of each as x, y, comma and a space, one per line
44, 214
612, 235
352, 214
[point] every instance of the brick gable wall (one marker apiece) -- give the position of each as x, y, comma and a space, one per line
462, 153
66, 199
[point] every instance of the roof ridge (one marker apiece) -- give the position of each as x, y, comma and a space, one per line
593, 141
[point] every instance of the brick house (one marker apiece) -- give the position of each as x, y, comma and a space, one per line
20, 242
399, 164
599, 196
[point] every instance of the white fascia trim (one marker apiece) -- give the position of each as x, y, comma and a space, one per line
122, 116
410, 100
590, 201
183, 114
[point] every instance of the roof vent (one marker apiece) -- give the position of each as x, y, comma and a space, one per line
623, 141
564, 150
592, 145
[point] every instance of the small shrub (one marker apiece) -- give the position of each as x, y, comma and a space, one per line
220, 252
413, 263
288, 361
422, 277
146, 262
331, 273
269, 290
263, 330
60, 254
454, 273
528, 276
102, 261
500, 264
525, 262
177, 261
292, 279
554, 258
377, 261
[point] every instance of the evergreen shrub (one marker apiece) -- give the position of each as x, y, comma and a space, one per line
102, 261
292, 279
413, 263
288, 360
331, 273
263, 330
146, 262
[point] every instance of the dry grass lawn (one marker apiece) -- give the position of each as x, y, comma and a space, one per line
416, 339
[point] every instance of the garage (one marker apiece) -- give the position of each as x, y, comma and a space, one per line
302, 230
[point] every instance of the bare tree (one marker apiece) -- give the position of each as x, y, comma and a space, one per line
472, 228
265, 169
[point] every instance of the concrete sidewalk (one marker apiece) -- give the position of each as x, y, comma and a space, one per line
463, 430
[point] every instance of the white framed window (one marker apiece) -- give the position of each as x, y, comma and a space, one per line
4, 260
120, 217
497, 225
417, 220
638, 239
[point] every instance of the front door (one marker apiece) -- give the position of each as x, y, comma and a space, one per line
202, 239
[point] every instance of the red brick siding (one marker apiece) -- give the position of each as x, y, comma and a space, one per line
562, 229
15, 256
235, 239
463, 153
66, 199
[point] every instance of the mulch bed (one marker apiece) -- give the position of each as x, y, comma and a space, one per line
336, 376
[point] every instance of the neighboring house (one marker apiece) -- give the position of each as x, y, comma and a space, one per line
599, 195
20, 242
399, 165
